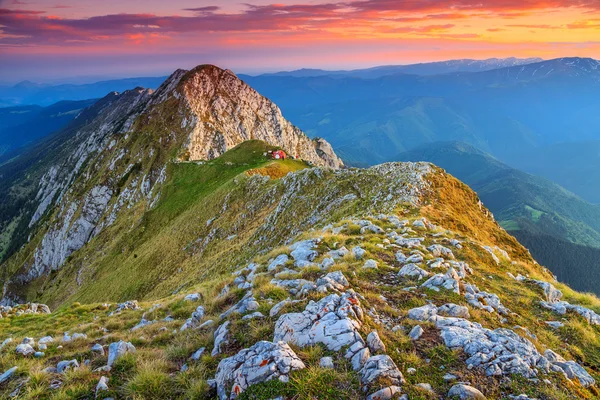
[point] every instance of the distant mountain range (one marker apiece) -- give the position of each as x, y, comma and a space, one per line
431, 68
23, 125
26, 92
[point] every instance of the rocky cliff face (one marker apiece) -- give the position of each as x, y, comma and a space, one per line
227, 112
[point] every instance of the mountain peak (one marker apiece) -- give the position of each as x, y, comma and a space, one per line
221, 111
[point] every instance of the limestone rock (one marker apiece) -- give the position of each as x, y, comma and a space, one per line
333, 321
261, 362
194, 320
24, 349
247, 303
413, 271
117, 350
280, 260
8, 374
380, 367
358, 252
326, 362
370, 264
219, 122
303, 251
102, 385
192, 297
446, 281
453, 310
465, 392
386, 393
440, 251
197, 354
424, 313
64, 366
416, 332
221, 338
375, 343
335, 281
98, 348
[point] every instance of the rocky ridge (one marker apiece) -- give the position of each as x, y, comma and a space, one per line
359, 316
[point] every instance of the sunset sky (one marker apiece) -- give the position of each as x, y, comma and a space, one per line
43, 40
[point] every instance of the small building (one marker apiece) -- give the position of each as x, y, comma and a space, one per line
279, 155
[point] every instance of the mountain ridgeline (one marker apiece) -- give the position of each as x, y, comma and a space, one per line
154, 250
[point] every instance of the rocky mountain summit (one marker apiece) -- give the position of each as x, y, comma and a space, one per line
169, 258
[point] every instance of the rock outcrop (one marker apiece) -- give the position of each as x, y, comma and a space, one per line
226, 112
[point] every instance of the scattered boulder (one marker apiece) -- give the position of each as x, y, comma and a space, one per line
247, 303
386, 393
102, 385
192, 297
571, 369
128, 305
197, 354
326, 362
426, 387
46, 340
413, 271
424, 313
297, 287
279, 306
303, 252
24, 349
555, 324
64, 366
5, 342
465, 392
194, 320
327, 263
370, 263
339, 253
416, 332
118, 349
335, 281
8, 374
221, 338
358, 252
440, 251
67, 337
98, 349
380, 367
262, 362
280, 260
453, 310
484, 300
446, 281
375, 343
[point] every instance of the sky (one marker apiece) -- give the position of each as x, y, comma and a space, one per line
69, 40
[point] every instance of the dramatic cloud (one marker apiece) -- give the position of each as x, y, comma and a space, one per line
300, 26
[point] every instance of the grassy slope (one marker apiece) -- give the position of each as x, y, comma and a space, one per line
115, 265
153, 372
519, 201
